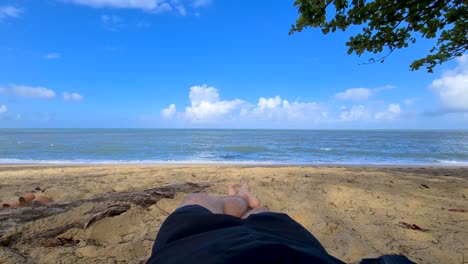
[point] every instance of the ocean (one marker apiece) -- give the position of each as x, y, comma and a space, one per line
212, 146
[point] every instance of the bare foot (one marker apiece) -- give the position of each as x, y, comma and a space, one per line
244, 192
231, 190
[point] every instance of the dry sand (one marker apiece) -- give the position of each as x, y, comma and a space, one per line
355, 212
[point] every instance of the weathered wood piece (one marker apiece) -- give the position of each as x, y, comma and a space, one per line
107, 205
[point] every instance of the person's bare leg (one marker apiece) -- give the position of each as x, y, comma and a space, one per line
233, 204
230, 205
244, 192
260, 209
214, 204
239, 205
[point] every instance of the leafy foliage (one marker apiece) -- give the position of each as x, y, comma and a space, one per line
392, 24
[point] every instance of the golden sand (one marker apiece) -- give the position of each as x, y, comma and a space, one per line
355, 212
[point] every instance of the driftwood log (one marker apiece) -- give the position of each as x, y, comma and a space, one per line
107, 205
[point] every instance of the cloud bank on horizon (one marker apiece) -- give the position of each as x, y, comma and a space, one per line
206, 107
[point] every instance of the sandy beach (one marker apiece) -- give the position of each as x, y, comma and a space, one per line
355, 212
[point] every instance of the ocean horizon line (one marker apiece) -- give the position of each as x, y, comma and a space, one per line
247, 129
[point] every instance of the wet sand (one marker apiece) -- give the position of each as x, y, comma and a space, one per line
354, 211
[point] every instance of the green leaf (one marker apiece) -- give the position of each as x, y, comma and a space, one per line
392, 24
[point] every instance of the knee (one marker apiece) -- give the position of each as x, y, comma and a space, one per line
234, 201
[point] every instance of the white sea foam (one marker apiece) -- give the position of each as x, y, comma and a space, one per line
326, 149
136, 162
218, 162
453, 162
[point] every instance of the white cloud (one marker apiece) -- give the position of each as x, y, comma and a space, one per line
452, 87
199, 94
266, 109
277, 109
207, 107
360, 113
151, 6
168, 113
3, 109
181, 10
72, 96
356, 94
392, 112
361, 94
111, 22
146, 5
179, 7
163, 7
32, 92
52, 56
355, 113
137, 4
269, 103
9, 11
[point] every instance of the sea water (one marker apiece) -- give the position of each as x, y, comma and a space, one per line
211, 146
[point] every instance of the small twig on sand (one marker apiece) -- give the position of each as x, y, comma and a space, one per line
17, 254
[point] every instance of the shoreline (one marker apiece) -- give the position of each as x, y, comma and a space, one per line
224, 164
354, 211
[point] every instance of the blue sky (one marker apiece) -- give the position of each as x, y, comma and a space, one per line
207, 64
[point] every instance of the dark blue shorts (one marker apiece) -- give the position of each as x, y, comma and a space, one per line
192, 234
